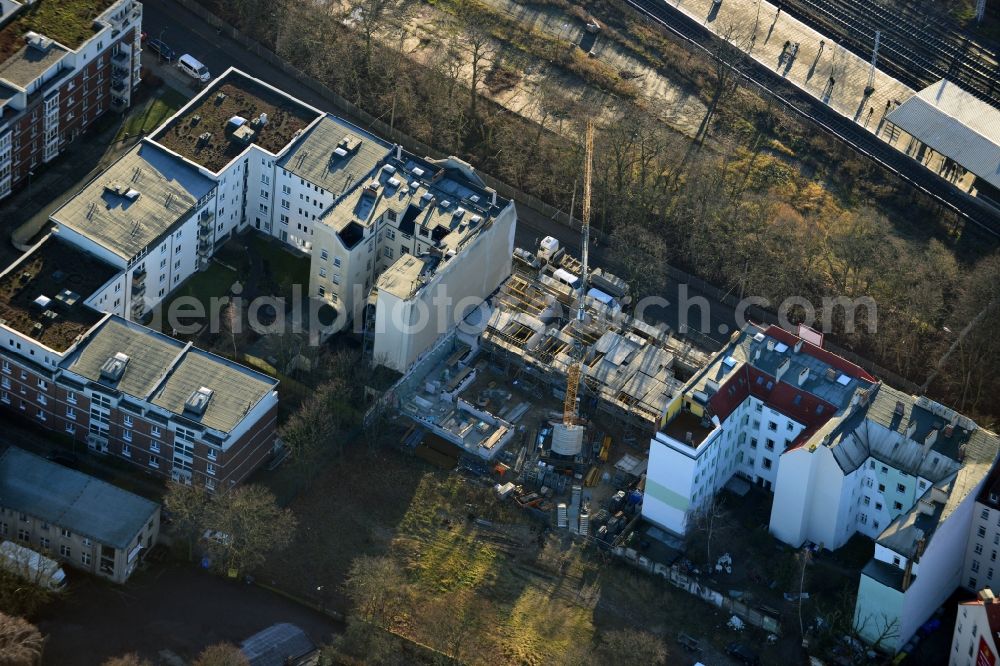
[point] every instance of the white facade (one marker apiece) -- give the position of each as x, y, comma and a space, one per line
981, 567
407, 326
974, 642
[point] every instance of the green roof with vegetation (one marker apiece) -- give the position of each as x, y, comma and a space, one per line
69, 22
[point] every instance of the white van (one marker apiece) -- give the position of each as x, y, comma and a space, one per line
190, 66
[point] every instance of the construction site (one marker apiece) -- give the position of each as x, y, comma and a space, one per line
556, 395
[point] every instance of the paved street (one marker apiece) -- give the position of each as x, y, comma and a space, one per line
154, 612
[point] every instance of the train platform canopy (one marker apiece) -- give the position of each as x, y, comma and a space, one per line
956, 124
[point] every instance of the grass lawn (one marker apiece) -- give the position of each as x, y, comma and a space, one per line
146, 117
282, 267
213, 282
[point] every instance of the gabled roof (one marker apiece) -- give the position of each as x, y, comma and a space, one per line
80, 503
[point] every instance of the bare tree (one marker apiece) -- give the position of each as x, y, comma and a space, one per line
374, 584
20, 642
221, 654
251, 526
710, 520
188, 509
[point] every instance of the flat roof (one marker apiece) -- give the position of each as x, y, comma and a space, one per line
69, 22
201, 131
65, 276
71, 499
314, 159
236, 389
167, 372
150, 356
135, 201
956, 124
28, 63
442, 202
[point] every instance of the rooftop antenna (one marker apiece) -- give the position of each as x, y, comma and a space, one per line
587, 164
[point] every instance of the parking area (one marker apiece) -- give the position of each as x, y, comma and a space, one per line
166, 613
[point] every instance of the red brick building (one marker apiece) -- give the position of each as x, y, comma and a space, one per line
119, 387
58, 74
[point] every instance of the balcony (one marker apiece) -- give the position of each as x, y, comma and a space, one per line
138, 308
206, 217
138, 276
204, 232
118, 103
138, 289
204, 249
119, 86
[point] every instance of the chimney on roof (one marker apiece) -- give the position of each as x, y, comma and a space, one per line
930, 439
803, 375
986, 596
912, 428
756, 354
770, 344
689, 437
782, 368
900, 408
798, 346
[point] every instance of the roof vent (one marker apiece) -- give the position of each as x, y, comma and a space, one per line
37, 41
198, 402
114, 367
42, 301
759, 337
474, 198
349, 143
444, 204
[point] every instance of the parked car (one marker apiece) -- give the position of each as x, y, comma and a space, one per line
742, 654
193, 68
161, 49
65, 459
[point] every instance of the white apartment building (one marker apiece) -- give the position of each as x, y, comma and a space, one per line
432, 239
981, 568
244, 155
149, 215
977, 632
860, 457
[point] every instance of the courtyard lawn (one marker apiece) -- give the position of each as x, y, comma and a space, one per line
144, 118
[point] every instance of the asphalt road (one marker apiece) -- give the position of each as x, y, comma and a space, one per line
187, 33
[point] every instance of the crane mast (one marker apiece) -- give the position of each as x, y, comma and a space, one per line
587, 174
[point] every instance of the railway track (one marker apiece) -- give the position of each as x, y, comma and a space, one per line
975, 212
914, 48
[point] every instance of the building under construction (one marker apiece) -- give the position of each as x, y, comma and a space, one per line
628, 368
